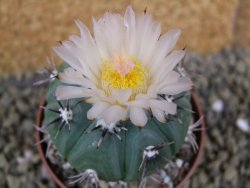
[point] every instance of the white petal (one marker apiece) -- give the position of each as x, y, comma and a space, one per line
114, 114
83, 30
88, 47
77, 53
63, 53
152, 90
114, 27
148, 33
109, 34
138, 116
183, 84
167, 107
71, 76
165, 44
129, 17
149, 41
120, 95
100, 40
130, 34
71, 92
89, 52
173, 59
143, 23
72, 56
159, 115
169, 64
170, 78
169, 39
97, 109
141, 103
98, 96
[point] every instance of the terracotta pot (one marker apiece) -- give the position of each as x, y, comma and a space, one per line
200, 137
201, 141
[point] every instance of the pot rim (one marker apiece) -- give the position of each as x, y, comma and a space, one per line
197, 160
48, 167
195, 105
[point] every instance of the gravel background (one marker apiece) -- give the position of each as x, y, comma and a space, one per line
223, 83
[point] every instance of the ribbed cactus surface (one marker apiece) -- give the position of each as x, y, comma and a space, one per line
115, 159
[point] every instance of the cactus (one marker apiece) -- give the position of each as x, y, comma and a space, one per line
126, 122
115, 160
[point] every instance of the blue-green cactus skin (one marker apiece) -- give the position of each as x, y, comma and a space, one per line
115, 160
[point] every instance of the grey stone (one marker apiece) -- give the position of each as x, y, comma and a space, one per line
13, 92
22, 106
235, 160
2, 141
2, 179
231, 145
210, 185
27, 92
217, 181
13, 118
27, 126
217, 137
222, 156
13, 181
3, 162
215, 164
9, 147
23, 166
203, 179
35, 159
6, 100
230, 173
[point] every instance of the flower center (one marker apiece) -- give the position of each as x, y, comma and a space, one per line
124, 72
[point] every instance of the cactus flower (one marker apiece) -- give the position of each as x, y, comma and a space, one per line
122, 68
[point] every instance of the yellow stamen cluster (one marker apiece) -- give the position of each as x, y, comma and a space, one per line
135, 79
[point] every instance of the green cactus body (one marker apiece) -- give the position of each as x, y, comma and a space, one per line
115, 160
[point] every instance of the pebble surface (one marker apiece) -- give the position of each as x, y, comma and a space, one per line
223, 77
20, 164
222, 82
